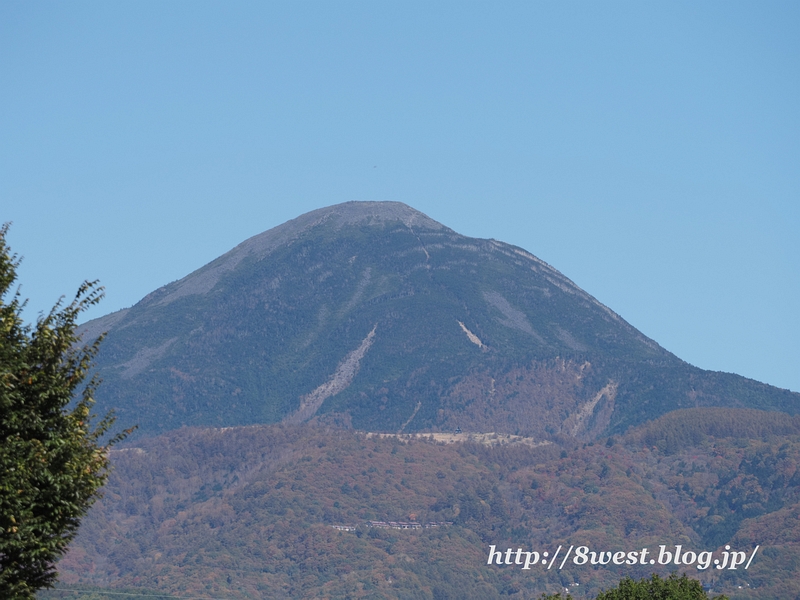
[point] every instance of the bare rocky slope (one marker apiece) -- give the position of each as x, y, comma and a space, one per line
373, 315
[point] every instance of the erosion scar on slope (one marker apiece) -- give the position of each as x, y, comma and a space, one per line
471, 336
580, 421
342, 377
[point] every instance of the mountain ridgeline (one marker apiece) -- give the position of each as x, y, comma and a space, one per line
374, 316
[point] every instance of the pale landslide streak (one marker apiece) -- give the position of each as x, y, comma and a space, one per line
344, 375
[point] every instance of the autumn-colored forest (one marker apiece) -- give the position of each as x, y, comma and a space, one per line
248, 512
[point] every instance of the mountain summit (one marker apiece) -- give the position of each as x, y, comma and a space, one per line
373, 315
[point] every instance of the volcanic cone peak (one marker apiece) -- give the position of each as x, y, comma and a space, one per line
337, 216
375, 313
263, 244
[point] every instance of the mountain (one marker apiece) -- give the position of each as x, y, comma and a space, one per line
313, 379
372, 315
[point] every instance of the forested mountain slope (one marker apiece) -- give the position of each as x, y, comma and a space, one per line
249, 512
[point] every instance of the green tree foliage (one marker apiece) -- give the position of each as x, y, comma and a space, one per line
654, 588
52, 462
690, 427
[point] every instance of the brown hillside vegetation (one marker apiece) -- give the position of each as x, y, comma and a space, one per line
248, 512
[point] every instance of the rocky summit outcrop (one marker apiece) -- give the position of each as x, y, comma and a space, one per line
373, 315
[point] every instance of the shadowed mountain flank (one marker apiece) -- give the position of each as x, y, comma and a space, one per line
371, 313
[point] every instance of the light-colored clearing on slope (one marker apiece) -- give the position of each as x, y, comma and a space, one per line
413, 414
586, 411
472, 337
488, 439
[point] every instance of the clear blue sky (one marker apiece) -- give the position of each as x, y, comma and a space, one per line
650, 151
